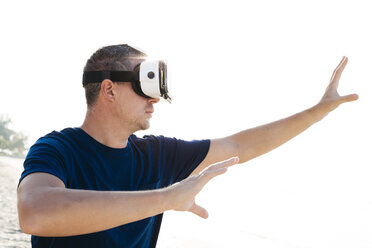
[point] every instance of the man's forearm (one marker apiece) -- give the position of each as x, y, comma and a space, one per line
47, 208
55, 211
256, 141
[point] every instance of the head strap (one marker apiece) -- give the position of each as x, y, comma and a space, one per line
114, 76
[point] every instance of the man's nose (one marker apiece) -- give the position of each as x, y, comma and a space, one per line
154, 100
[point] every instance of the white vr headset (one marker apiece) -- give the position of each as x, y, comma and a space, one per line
149, 79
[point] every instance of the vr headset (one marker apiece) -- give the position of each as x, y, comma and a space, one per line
149, 79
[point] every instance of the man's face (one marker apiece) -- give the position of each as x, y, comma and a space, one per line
134, 111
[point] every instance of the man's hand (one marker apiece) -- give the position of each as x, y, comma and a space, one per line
331, 99
183, 193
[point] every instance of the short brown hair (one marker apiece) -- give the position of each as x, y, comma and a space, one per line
109, 58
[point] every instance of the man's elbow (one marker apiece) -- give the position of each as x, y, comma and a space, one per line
29, 217
26, 227
36, 204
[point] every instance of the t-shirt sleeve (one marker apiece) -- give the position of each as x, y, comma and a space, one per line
44, 157
180, 157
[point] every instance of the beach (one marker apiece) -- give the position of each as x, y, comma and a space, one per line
10, 234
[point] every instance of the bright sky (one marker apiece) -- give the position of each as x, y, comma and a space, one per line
233, 65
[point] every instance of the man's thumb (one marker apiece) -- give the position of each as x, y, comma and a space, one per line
198, 210
349, 98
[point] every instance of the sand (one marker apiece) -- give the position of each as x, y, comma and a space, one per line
10, 233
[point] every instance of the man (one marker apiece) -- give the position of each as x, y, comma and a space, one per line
101, 186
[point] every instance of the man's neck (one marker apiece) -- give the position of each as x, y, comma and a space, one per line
103, 128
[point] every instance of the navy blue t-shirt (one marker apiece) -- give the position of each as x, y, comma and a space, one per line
145, 163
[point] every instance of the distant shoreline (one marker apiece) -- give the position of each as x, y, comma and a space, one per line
7, 160
10, 172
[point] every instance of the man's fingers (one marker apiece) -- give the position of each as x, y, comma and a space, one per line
198, 210
339, 69
224, 164
218, 168
215, 172
193, 185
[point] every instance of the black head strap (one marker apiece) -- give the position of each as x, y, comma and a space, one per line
114, 76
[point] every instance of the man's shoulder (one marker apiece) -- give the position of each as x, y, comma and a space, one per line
57, 136
55, 141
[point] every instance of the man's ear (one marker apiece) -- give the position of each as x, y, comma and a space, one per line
107, 90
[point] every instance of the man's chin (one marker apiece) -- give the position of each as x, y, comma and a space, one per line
145, 125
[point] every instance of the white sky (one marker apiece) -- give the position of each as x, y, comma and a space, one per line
233, 65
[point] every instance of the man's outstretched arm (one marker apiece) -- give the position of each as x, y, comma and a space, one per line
47, 208
254, 142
